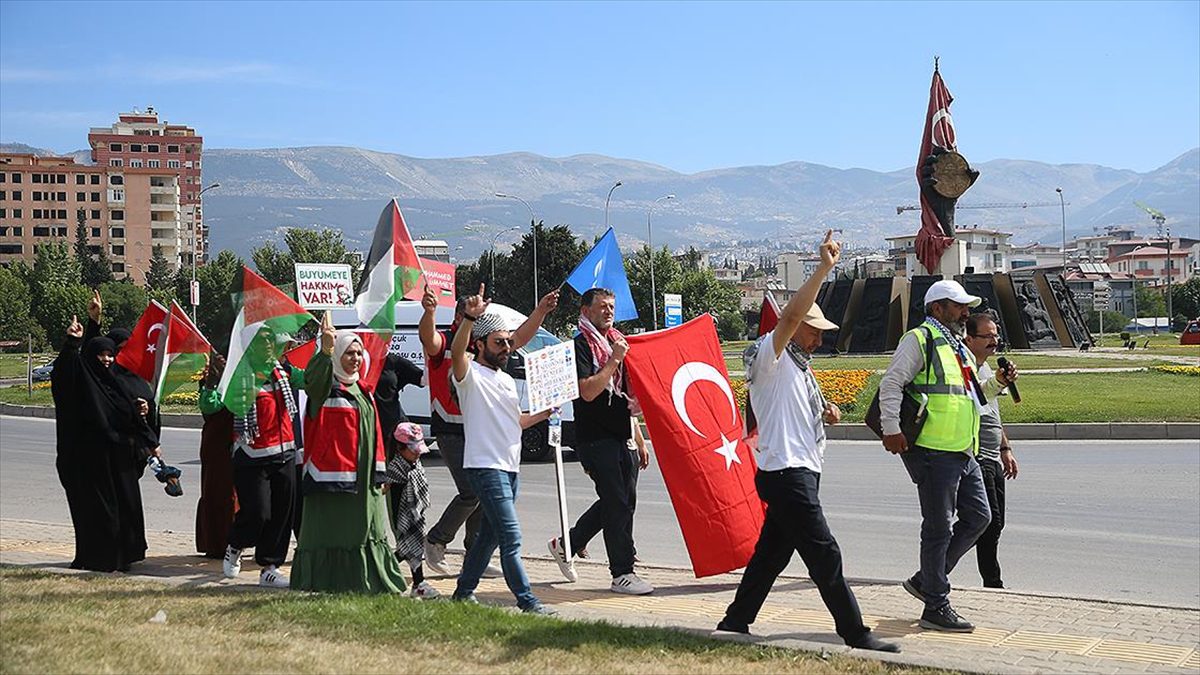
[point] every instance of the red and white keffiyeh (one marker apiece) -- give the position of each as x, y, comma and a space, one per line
601, 346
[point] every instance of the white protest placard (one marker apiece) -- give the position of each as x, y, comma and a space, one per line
407, 343
324, 286
551, 377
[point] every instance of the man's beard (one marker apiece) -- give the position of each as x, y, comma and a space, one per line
495, 359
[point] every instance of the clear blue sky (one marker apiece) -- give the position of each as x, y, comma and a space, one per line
688, 86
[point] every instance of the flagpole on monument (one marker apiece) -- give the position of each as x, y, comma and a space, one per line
533, 228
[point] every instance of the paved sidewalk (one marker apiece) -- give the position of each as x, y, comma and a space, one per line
1017, 632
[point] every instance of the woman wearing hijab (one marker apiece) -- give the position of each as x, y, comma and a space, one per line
343, 543
101, 431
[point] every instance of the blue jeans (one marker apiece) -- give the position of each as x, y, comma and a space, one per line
947, 482
497, 493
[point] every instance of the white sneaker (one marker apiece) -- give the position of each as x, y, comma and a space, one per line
425, 591
631, 584
232, 565
271, 577
492, 571
565, 566
435, 558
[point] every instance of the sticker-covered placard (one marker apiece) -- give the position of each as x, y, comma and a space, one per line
551, 377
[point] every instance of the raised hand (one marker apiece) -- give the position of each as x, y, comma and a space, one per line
75, 330
831, 251
429, 299
95, 306
549, 302
328, 333
476, 305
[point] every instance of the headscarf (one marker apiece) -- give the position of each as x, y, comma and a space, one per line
107, 403
341, 343
119, 336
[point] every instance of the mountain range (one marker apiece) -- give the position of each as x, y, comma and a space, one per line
788, 205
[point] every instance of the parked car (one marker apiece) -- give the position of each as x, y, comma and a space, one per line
1191, 333
42, 373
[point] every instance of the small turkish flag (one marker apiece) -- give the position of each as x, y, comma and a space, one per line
141, 352
679, 378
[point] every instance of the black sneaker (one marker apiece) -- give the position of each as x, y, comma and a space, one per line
869, 641
727, 627
913, 586
945, 619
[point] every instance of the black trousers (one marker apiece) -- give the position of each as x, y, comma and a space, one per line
613, 467
795, 523
988, 542
266, 500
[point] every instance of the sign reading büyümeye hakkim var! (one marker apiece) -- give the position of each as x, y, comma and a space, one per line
324, 286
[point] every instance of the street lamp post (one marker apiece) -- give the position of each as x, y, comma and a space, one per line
650, 241
533, 227
1170, 316
194, 289
1062, 202
606, 200
492, 248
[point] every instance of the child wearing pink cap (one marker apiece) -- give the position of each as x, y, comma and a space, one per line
411, 499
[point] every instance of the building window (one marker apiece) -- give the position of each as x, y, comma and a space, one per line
16, 178
3, 195
62, 214
80, 179
173, 149
114, 147
41, 231
95, 214
62, 196
118, 232
115, 161
135, 147
16, 195
3, 213
187, 164
37, 196
1143, 265
116, 195
151, 148
60, 231
17, 214
172, 164
37, 177
95, 179
119, 267
3, 231
96, 233
14, 249
2, 177
152, 164
37, 213
81, 196
116, 179
60, 179
117, 215
95, 196
135, 163
118, 249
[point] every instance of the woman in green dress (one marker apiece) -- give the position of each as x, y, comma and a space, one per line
343, 543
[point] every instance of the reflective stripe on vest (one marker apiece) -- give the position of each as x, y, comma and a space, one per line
952, 420
332, 438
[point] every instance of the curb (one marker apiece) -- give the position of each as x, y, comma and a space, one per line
1052, 431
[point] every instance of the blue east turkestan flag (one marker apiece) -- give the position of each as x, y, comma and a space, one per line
603, 267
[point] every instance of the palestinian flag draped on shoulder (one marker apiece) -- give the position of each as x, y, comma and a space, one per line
266, 319
392, 270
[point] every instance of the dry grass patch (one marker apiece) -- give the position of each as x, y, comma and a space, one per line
98, 624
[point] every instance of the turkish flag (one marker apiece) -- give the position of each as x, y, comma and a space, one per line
939, 133
145, 345
375, 349
679, 377
768, 314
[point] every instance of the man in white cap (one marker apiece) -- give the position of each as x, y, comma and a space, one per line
941, 462
792, 415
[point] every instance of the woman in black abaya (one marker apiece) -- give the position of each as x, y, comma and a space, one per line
102, 436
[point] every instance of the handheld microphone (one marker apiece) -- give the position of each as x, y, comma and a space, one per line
1012, 386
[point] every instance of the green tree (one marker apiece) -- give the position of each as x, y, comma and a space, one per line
123, 304
667, 275
1185, 298
558, 253
1150, 302
16, 321
55, 283
160, 278
95, 268
1114, 322
304, 245
218, 307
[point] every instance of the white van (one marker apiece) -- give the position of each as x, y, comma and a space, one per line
415, 400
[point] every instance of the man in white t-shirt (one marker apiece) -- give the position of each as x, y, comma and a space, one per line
492, 425
791, 412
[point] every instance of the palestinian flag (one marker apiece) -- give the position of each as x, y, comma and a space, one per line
265, 321
182, 356
768, 314
392, 270
140, 353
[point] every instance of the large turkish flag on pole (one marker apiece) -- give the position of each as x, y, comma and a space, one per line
679, 377
939, 133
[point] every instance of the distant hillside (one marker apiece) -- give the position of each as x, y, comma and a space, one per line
263, 190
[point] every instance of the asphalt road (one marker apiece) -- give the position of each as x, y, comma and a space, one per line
1110, 519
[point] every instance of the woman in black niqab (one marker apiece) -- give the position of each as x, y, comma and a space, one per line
99, 431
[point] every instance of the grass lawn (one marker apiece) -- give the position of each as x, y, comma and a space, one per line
1105, 397
98, 623
19, 395
13, 365
1024, 361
